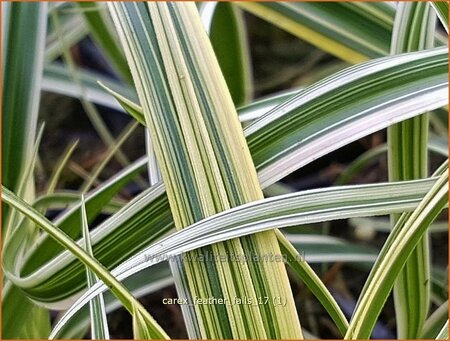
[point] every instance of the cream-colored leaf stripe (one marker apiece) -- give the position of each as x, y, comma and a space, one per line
205, 164
414, 29
287, 210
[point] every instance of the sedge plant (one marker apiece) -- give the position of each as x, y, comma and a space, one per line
210, 181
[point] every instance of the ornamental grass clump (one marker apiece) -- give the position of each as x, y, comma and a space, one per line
206, 201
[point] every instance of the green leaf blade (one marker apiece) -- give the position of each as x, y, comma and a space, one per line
414, 30
228, 39
298, 208
22, 71
102, 33
104, 275
401, 242
99, 323
204, 162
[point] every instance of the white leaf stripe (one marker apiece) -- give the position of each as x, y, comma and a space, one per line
99, 324
204, 161
414, 30
260, 217
85, 259
406, 234
156, 199
407, 193
353, 103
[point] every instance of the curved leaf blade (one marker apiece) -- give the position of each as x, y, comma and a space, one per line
99, 324
394, 254
414, 29
268, 214
359, 100
116, 287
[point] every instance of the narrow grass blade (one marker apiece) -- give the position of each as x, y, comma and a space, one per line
66, 221
414, 29
142, 284
60, 165
313, 282
121, 139
443, 334
355, 105
441, 8
406, 234
130, 107
341, 109
25, 188
205, 164
90, 109
103, 274
57, 79
99, 324
22, 64
294, 209
113, 237
96, 18
317, 248
74, 31
351, 31
227, 34
434, 323
61, 199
